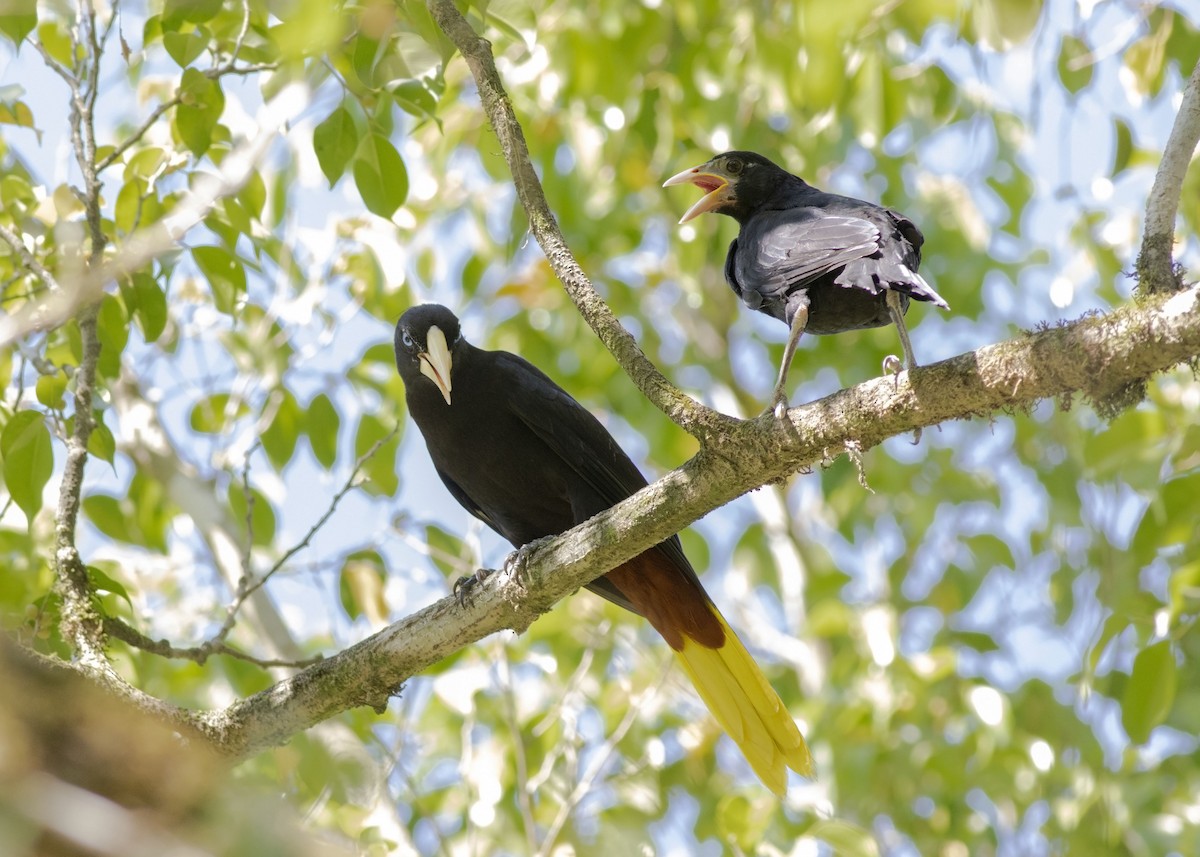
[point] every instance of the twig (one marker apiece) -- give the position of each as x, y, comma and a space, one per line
172, 102
28, 259
248, 496
522, 769
698, 420
248, 585
597, 765
119, 630
1155, 269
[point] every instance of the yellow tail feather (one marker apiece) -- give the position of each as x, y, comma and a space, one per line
748, 708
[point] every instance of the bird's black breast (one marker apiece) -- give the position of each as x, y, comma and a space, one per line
490, 460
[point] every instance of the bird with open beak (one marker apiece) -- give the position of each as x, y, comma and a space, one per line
816, 261
519, 453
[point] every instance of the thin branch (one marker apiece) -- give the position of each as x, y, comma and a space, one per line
598, 763
81, 621
700, 421
119, 630
1155, 267
247, 586
524, 803
171, 103
30, 261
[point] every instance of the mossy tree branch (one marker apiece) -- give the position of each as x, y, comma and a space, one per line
1156, 269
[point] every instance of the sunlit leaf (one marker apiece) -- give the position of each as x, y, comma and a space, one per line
334, 141
199, 110
225, 273
28, 459
380, 175
1150, 692
50, 389
322, 426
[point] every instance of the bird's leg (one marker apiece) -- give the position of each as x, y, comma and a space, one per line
779, 401
464, 586
891, 363
896, 310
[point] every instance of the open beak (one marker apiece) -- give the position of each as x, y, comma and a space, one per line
435, 361
717, 189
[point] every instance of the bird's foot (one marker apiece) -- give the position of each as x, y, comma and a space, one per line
465, 586
515, 563
892, 366
779, 404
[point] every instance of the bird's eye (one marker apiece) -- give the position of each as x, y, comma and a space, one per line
407, 339
733, 166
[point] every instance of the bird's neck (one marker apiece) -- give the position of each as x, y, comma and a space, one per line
782, 194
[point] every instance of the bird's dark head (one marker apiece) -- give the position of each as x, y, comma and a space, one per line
735, 183
427, 338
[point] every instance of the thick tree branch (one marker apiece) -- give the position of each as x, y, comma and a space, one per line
698, 420
1094, 356
1155, 267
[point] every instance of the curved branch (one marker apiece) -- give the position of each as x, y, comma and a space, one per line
1155, 269
698, 420
1096, 356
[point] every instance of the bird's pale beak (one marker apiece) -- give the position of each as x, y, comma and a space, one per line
716, 189
436, 362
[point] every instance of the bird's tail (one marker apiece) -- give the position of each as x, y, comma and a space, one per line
747, 707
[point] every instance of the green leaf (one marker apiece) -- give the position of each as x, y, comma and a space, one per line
211, 414
16, 113
151, 312
334, 141
17, 25
262, 515
102, 582
185, 47
380, 175
254, 195
112, 328
127, 210
361, 586
55, 38
101, 442
380, 469
322, 426
279, 439
28, 459
50, 389
1074, 63
199, 110
1002, 23
446, 551
176, 12
1150, 691
106, 514
414, 98
848, 840
744, 821
225, 274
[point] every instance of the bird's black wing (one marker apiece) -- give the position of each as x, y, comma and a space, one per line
779, 251
606, 475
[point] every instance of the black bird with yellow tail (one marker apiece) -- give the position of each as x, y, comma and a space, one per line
519, 453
